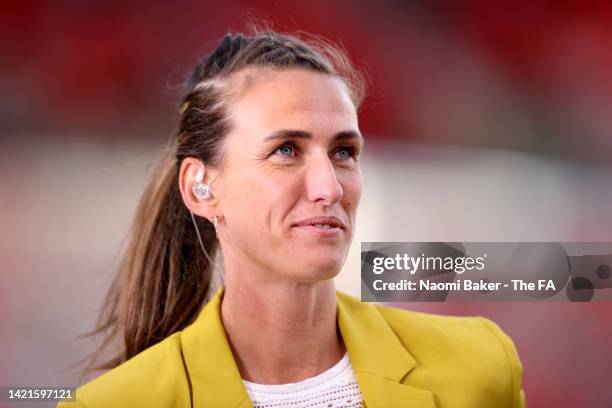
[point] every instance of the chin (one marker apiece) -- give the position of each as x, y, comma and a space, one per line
317, 263
322, 269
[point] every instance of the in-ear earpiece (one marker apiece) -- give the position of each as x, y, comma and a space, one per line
201, 189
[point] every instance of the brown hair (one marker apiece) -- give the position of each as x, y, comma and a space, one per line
164, 277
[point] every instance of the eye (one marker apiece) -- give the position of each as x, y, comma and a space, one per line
286, 150
345, 152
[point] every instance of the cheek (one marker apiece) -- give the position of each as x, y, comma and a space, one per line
244, 198
351, 187
259, 198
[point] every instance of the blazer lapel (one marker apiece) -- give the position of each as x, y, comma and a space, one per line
379, 359
214, 376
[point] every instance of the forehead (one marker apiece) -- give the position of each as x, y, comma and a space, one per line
292, 99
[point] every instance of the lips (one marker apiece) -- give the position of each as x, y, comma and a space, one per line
323, 221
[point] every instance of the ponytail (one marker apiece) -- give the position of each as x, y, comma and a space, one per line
165, 276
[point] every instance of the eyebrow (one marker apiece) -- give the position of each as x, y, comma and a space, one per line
300, 134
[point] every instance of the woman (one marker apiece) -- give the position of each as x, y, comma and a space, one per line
265, 167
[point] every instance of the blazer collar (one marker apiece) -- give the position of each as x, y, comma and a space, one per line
379, 359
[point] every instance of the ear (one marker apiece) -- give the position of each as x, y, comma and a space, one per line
187, 177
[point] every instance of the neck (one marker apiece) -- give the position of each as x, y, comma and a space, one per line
281, 332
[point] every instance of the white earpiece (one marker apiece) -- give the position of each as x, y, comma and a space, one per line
201, 189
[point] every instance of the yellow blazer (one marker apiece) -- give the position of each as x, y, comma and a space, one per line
400, 358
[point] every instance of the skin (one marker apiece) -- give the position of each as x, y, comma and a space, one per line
279, 304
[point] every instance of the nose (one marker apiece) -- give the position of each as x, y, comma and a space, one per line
321, 182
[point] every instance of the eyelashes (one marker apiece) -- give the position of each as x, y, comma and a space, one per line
289, 150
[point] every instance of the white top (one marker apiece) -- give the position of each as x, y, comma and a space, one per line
334, 388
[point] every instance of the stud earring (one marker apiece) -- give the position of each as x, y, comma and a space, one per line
201, 189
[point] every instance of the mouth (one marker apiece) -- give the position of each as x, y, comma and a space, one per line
324, 223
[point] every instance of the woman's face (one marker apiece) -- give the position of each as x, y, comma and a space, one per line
292, 156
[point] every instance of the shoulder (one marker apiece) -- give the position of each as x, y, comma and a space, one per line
471, 352
421, 332
154, 377
475, 349
473, 335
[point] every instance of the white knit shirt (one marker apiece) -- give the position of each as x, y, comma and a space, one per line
334, 388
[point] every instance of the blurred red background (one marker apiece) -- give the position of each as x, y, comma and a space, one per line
496, 117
